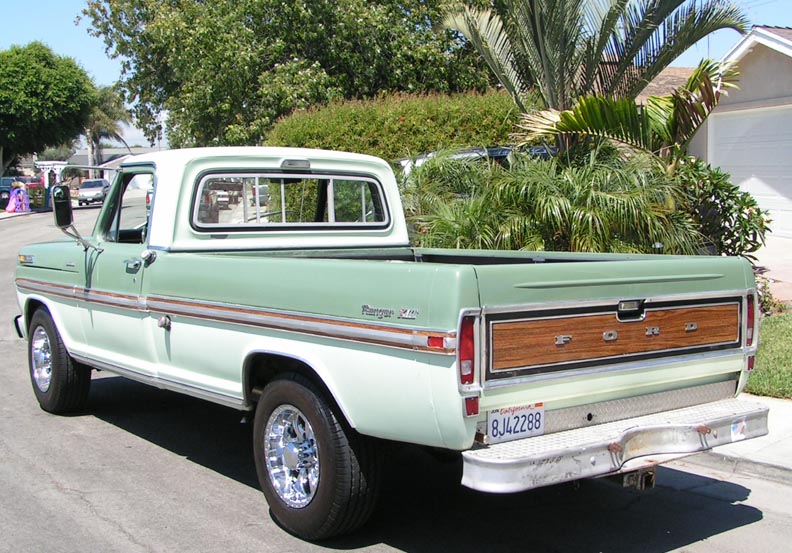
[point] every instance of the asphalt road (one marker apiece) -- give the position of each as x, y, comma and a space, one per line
144, 470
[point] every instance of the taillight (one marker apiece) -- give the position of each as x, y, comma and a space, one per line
467, 350
750, 320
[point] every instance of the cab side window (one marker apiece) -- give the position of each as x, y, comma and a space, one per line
130, 218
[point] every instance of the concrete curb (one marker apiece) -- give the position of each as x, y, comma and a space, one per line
772, 452
733, 463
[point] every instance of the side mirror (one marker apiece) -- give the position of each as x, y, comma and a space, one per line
62, 207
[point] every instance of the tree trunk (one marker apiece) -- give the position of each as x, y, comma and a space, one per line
91, 151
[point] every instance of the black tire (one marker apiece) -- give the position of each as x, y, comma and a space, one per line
61, 384
347, 464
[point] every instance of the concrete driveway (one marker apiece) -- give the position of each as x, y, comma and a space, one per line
775, 258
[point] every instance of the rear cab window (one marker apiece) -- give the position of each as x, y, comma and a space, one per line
277, 201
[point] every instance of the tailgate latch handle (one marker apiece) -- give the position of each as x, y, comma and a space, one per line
631, 310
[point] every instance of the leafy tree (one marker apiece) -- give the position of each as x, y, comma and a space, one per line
225, 71
571, 48
45, 100
105, 122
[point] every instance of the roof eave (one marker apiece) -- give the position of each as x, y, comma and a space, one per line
758, 35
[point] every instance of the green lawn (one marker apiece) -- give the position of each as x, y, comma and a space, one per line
773, 373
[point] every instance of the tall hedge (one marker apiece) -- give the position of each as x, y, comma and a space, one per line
398, 126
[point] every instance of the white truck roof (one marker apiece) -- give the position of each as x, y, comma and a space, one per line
178, 172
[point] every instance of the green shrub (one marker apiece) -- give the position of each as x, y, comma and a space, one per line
399, 126
600, 203
730, 219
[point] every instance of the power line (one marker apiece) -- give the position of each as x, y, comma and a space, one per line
752, 4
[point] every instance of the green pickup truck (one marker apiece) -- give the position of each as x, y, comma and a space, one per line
307, 305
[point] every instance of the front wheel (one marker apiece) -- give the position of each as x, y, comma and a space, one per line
319, 476
61, 384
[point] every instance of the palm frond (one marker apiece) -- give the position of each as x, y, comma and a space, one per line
485, 31
652, 33
615, 119
664, 126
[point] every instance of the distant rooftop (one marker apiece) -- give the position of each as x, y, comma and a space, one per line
665, 83
80, 157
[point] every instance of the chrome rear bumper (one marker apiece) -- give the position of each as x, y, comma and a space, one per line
612, 447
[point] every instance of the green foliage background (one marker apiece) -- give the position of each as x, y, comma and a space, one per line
597, 203
225, 71
401, 125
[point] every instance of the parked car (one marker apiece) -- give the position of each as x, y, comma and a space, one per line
5, 190
498, 154
94, 190
263, 195
222, 199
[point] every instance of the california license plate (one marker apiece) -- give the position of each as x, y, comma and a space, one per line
514, 423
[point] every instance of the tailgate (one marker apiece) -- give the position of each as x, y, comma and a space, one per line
576, 346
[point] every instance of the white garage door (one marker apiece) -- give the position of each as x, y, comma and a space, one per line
755, 146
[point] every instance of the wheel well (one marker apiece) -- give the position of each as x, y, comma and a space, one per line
31, 307
262, 368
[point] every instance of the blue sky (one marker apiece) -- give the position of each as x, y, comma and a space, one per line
53, 22
777, 13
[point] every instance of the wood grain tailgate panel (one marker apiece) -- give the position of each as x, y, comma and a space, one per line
522, 344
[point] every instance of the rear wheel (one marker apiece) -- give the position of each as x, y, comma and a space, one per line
319, 476
61, 384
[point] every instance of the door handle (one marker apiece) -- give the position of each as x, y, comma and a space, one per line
132, 265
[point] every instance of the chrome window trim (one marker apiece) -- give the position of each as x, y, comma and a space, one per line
291, 227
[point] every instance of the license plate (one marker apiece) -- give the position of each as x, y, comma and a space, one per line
513, 423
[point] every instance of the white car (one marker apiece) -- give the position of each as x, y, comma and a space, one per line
222, 199
93, 190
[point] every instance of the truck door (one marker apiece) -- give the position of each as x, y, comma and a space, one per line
116, 316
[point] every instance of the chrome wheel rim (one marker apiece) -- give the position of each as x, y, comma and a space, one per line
292, 456
41, 355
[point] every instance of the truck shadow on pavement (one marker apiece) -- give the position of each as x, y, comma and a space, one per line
423, 508
210, 435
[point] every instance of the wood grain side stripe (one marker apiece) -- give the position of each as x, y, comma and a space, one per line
391, 336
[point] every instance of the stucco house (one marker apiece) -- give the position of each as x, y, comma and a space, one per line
749, 134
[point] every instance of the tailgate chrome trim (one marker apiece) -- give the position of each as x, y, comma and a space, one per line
606, 448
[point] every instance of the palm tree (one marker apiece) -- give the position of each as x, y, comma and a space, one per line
105, 122
565, 49
663, 127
